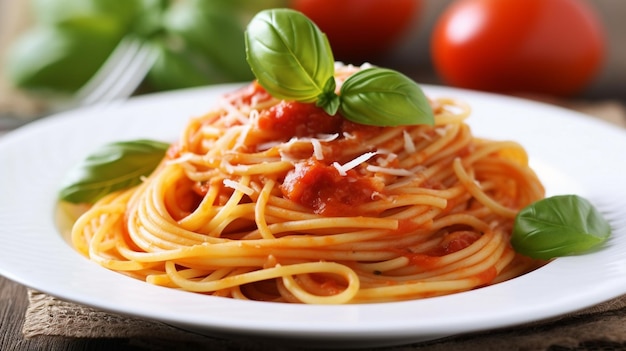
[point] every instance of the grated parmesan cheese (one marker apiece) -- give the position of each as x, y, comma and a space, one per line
327, 137
318, 149
377, 196
425, 136
284, 156
389, 157
253, 120
349, 136
318, 152
233, 114
343, 169
441, 131
241, 139
409, 146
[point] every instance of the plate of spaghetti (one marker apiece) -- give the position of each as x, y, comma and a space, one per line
168, 280
382, 214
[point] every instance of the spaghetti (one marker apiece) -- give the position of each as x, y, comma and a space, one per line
270, 200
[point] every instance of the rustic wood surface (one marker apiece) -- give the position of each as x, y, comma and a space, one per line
13, 304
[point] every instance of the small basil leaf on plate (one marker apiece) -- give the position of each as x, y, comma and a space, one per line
559, 226
289, 55
384, 97
112, 167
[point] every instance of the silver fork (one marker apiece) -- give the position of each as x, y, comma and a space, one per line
119, 76
116, 80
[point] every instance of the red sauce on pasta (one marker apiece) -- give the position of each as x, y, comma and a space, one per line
289, 119
423, 261
457, 241
321, 188
294, 119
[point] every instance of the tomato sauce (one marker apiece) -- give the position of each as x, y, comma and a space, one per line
451, 243
321, 188
290, 119
458, 240
329, 286
313, 183
487, 276
427, 262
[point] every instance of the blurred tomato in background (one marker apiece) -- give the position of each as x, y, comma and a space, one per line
553, 47
361, 30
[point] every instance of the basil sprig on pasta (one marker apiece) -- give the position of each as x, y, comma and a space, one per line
292, 59
112, 167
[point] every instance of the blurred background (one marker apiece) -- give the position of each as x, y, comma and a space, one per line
555, 50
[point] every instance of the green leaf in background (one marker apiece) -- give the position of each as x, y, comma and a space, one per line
178, 67
112, 167
384, 97
559, 226
53, 12
148, 23
203, 42
289, 55
213, 31
61, 58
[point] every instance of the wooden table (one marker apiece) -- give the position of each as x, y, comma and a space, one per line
13, 304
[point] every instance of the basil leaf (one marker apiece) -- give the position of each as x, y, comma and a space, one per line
328, 100
289, 55
113, 167
291, 58
384, 97
559, 226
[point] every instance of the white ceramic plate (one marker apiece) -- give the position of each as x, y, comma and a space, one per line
571, 152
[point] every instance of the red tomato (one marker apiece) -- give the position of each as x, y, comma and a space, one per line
360, 30
551, 47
